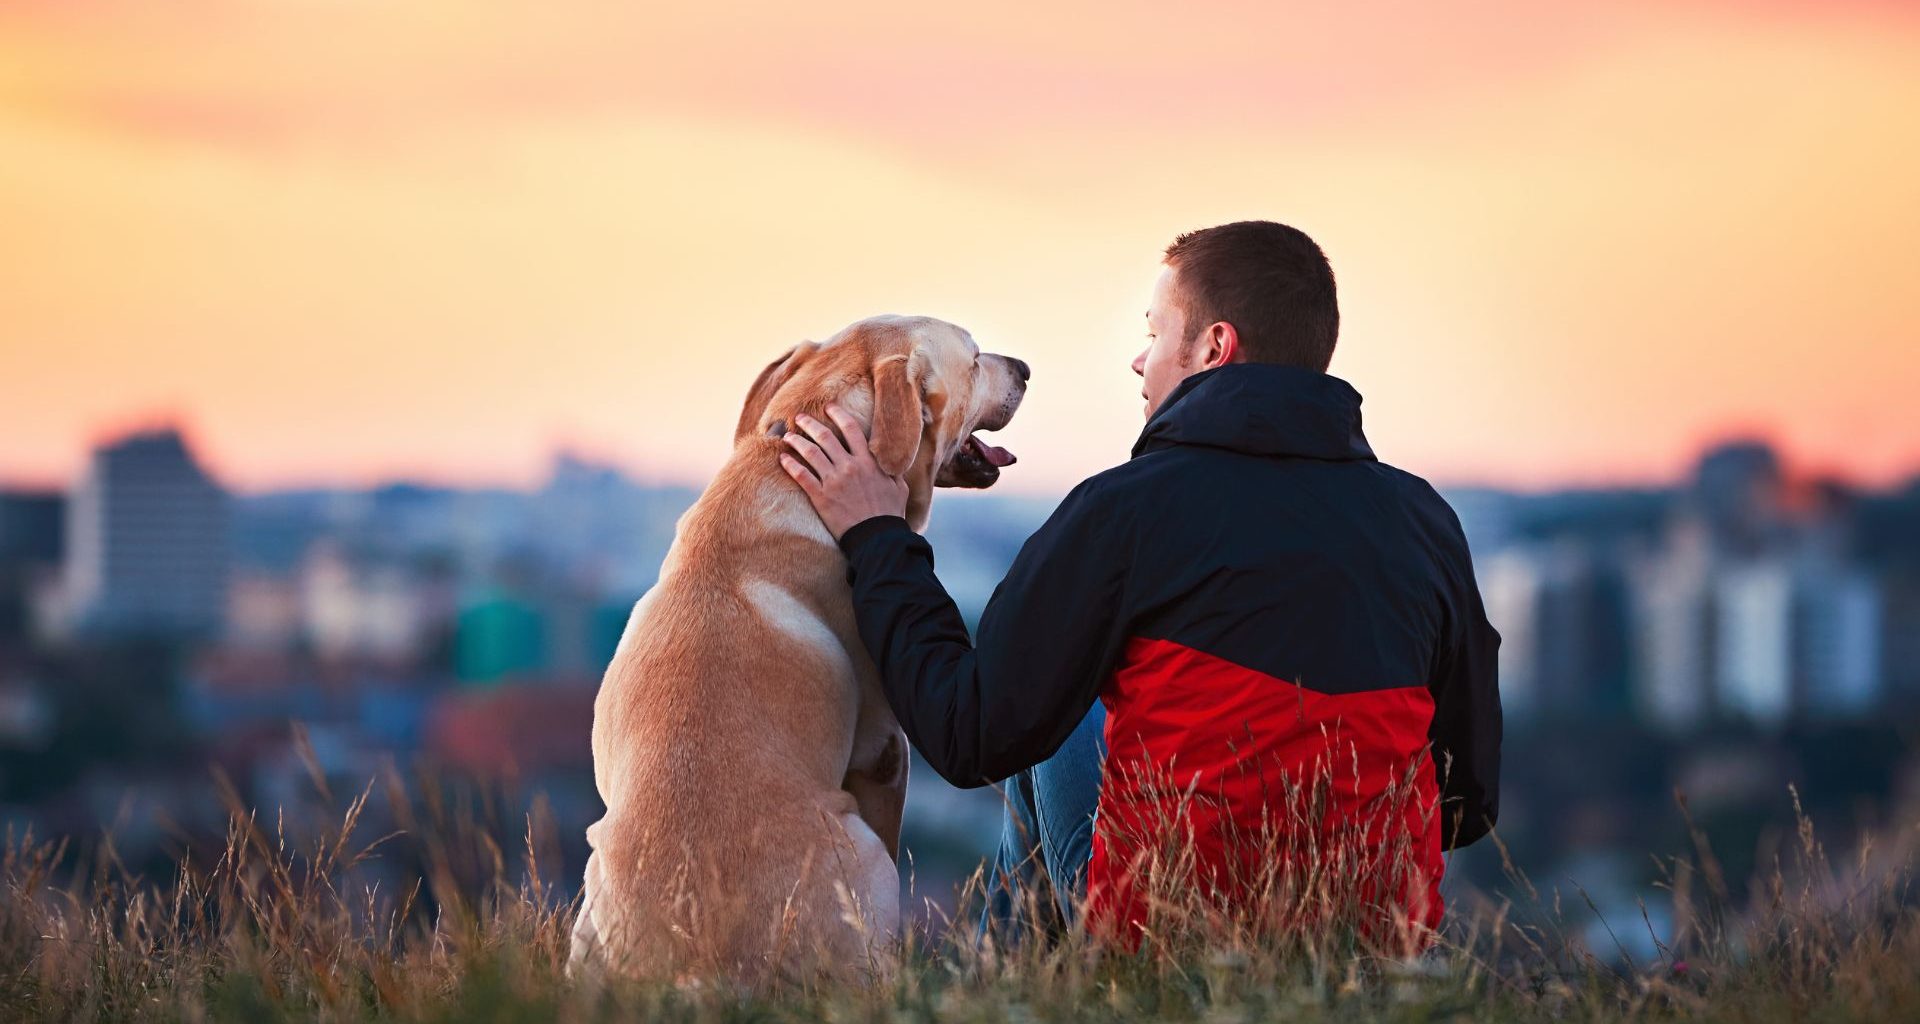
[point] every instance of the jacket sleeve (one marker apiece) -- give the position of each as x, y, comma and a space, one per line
1051, 633
1466, 716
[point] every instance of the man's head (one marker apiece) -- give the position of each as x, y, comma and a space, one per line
1248, 292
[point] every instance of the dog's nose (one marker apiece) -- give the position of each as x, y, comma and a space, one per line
1020, 367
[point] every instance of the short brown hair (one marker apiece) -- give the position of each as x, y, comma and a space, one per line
1270, 281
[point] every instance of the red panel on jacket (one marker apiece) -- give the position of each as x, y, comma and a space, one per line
1223, 760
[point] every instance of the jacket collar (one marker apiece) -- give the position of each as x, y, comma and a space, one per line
1261, 409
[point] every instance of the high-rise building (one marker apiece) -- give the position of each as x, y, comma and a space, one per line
1837, 634
1754, 601
1676, 625
1563, 619
1799, 638
30, 544
147, 540
1739, 492
1511, 582
30, 527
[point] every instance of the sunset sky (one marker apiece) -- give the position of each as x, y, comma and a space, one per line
350, 240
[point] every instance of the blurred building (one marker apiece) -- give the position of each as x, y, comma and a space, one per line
1561, 609
1754, 663
1900, 641
499, 636
147, 535
1510, 586
1799, 639
1738, 491
1742, 595
353, 608
263, 611
1676, 631
602, 530
537, 728
1758, 605
1886, 539
1838, 635
32, 529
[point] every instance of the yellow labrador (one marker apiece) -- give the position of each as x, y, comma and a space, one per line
752, 770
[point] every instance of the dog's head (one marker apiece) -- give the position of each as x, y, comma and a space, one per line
921, 385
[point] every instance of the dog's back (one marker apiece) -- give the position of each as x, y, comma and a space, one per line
722, 731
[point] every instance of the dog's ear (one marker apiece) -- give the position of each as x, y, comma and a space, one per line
898, 415
769, 381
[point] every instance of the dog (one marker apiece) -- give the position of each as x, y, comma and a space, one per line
753, 773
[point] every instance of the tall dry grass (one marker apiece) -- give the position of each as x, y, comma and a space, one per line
279, 925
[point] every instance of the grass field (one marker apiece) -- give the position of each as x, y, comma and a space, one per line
273, 927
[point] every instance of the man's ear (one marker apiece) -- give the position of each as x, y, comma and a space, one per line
1219, 346
769, 381
897, 414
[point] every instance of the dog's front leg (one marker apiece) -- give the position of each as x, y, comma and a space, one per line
877, 778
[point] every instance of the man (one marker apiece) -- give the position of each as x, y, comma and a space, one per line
1294, 674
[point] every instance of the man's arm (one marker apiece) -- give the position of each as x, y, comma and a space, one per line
1050, 634
1466, 715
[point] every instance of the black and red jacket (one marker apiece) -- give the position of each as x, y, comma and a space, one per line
1257, 600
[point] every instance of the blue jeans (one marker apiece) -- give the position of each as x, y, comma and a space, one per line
1046, 838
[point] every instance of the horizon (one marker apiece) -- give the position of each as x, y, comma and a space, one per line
1794, 470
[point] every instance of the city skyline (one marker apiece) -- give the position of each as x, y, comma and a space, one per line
1738, 592
349, 242
1739, 630
1799, 469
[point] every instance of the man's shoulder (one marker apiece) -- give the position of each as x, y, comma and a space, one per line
1430, 509
1175, 476
1113, 497
1412, 484
1168, 472
1135, 477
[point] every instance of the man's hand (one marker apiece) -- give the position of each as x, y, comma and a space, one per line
844, 483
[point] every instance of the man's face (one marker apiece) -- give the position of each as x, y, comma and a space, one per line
1168, 359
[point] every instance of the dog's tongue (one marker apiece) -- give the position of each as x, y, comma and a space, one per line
997, 456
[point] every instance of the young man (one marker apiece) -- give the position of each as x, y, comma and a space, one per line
1283, 634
